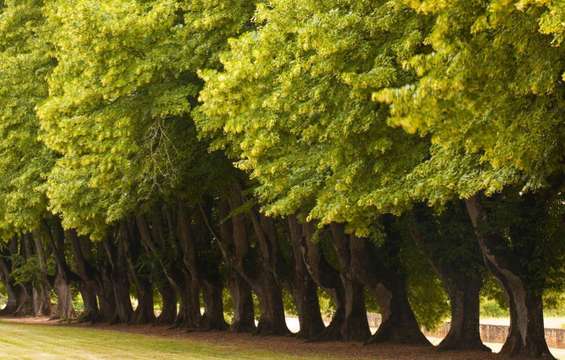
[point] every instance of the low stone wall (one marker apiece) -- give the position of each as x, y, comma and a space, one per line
489, 333
497, 334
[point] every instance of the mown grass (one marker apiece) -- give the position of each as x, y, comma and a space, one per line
31, 341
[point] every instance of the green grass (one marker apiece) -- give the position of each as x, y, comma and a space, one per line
30, 341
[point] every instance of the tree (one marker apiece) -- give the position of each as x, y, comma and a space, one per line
489, 96
25, 64
293, 103
128, 149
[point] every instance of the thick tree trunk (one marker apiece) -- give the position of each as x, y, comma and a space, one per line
91, 312
208, 271
272, 320
257, 266
304, 289
64, 276
244, 314
5, 276
105, 293
328, 278
464, 331
88, 285
144, 312
398, 324
458, 262
64, 310
123, 311
233, 254
41, 291
213, 318
24, 299
379, 269
267, 287
186, 289
190, 302
168, 304
355, 326
526, 336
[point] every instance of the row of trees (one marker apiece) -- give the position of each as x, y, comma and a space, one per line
184, 147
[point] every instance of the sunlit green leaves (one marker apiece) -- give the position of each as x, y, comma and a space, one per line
120, 100
294, 103
24, 161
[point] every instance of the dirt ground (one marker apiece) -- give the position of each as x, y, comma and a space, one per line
285, 345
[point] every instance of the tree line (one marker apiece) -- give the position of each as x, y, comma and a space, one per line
170, 150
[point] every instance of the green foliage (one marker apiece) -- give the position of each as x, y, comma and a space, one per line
339, 111
489, 95
426, 293
26, 271
120, 98
24, 65
294, 99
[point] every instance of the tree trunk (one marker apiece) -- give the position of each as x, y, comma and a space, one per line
64, 276
244, 314
65, 310
398, 324
86, 273
185, 288
123, 312
41, 291
233, 254
200, 259
144, 312
457, 261
267, 287
5, 276
213, 318
464, 330
168, 304
272, 320
106, 296
328, 278
24, 299
304, 289
355, 326
191, 302
526, 335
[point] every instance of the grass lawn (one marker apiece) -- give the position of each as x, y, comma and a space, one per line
33, 341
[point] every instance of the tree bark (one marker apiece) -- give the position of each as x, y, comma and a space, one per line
64, 276
355, 326
5, 276
233, 254
526, 335
383, 273
244, 313
41, 290
458, 262
117, 271
208, 270
267, 287
185, 289
398, 324
88, 285
464, 331
168, 313
144, 312
327, 278
304, 288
